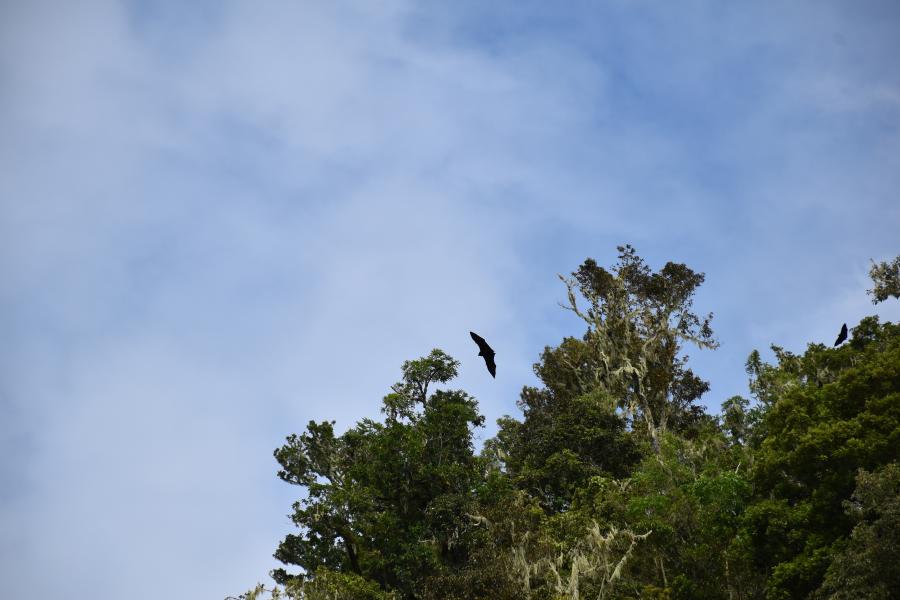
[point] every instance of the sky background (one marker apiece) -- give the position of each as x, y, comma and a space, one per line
219, 220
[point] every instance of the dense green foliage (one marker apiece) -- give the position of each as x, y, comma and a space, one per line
614, 482
835, 412
388, 501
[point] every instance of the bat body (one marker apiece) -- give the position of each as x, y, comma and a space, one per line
841, 336
487, 352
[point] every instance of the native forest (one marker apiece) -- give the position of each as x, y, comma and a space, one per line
614, 480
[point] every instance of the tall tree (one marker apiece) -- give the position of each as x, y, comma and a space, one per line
637, 322
387, 502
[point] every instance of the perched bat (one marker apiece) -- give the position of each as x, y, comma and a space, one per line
842, 336
487, 352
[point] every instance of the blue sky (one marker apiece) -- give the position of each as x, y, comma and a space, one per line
220, 220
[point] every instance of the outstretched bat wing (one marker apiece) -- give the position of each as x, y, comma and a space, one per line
491, 365
483, 348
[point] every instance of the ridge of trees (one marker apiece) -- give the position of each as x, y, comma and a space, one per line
614, 482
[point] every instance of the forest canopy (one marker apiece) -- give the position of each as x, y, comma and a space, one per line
614, 481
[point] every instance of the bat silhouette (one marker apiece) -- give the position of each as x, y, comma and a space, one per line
487, 352
842, 336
